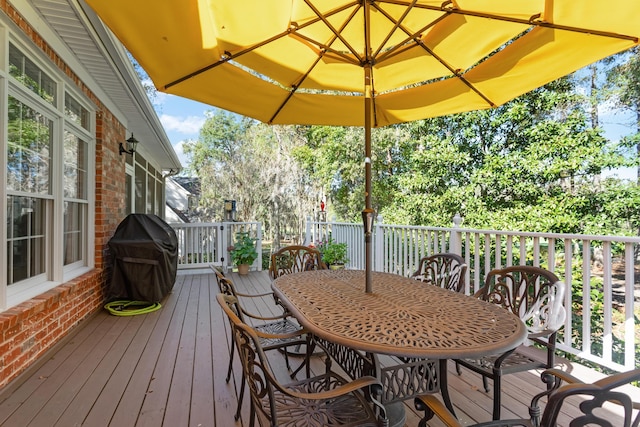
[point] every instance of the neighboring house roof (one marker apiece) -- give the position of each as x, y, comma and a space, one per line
191, 184
178, 192
104, 66
178, 213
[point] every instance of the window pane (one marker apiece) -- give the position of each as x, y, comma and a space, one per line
29, 149
129, 195
31, 76
141, 190
74, 220
151, 194
75, 112
159, 205
26, 243
75, 167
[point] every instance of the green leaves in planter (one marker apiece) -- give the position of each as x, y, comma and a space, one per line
244, 249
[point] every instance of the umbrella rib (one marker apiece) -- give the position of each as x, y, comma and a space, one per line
334, 31
534, 20
403, 46
457, 74
294, 27
396, 24
327, 48
294, 88
584, 31
323, 48
228, 56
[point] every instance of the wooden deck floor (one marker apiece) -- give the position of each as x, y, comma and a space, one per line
168, 368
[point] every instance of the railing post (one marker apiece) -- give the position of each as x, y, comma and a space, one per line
455, 238
378, 244
225, 233
307, 237
259, 246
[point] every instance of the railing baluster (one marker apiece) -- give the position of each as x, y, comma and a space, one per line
398, 249
607, 288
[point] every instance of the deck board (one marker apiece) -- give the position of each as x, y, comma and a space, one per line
168, 368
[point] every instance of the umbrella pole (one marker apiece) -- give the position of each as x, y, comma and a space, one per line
367, 213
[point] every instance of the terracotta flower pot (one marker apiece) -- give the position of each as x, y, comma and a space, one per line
243, 269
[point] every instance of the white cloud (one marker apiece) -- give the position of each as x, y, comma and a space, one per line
179, 149
190, 125
159, 99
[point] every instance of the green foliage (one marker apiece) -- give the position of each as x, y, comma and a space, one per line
533, 164
255, 164
333, 253
596, 315
244, 250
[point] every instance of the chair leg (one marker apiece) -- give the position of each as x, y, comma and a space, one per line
299, 368
458, 371
444, 385
306, 361
497, 388
311, 346
286, 358
240, 397
233, 347
485, 384
252, 416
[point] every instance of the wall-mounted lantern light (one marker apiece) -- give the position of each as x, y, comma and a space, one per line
132, 143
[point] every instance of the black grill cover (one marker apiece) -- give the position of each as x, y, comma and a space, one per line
145, 259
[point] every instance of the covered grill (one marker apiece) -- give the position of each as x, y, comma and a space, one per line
144, 249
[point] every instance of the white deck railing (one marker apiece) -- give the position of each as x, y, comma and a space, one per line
204, 244
601, 270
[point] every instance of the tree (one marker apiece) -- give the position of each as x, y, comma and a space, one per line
624, 84
217, 159
533, 164
240, 159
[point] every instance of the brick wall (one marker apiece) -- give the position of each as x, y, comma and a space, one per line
28, 330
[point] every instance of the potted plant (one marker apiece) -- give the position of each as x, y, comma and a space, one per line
243, 252
334, 254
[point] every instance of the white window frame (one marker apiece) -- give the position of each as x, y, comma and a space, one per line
55, 272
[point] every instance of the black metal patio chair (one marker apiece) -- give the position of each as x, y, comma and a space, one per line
445, 270
278, 332
535, 295
319, 401
590, 411
293, 259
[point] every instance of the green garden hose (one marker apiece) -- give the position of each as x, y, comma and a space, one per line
131, 308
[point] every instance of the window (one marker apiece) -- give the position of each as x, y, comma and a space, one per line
29, 147
26, 240
31, 76
49, 149
75, 196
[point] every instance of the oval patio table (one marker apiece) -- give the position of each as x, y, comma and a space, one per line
401, 317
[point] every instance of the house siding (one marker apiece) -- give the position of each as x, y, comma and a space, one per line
33, 327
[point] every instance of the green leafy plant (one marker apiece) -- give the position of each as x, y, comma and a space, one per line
244, 250
333, 253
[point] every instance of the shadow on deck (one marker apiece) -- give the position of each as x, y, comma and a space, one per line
168, 368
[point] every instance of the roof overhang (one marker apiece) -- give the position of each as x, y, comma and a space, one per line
99, 59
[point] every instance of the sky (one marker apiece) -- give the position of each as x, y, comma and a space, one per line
182, 119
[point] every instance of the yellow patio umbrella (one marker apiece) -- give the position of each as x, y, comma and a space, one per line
365, 63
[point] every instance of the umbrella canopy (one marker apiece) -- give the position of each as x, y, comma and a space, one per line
366, 63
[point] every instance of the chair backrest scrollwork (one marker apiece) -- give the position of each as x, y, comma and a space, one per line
534, 294
445, 270
294, 259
